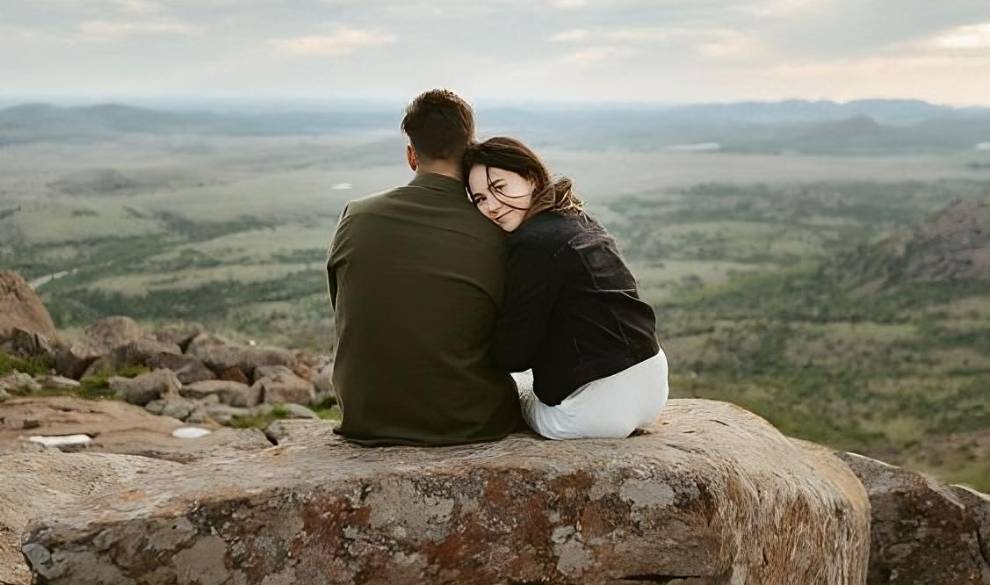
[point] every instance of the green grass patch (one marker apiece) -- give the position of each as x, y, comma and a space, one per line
34, 366
96, 386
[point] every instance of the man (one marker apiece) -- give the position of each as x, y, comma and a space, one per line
415, 277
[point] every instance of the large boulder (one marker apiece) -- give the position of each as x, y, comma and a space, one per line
144, 388
99, 340
220, 355
978, 505
187, 368
20, 307
229, 393
922, 532
179, 334
46, 481
30, 344
710, 494
141, 351
279, 384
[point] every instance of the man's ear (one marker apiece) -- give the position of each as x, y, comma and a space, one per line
411, 157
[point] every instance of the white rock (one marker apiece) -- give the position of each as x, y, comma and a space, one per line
61, 440
190, 432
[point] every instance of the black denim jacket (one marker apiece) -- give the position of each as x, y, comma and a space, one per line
571, 312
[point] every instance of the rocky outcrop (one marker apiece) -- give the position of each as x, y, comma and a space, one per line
952, 244
98, 341
47, 481
21, 308
709, 495
922, 531
220, 355
117, 427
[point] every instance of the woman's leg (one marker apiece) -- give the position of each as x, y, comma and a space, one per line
611, 407
614, 406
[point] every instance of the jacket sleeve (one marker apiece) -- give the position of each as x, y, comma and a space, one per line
532, 284
333, 256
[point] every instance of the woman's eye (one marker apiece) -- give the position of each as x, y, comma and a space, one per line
477, 199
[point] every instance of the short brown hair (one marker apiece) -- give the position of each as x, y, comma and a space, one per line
549, 194
440, 125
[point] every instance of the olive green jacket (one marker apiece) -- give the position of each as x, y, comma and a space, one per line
415, 277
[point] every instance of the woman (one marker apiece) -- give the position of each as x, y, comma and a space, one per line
571, 311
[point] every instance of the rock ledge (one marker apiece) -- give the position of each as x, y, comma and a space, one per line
710, 495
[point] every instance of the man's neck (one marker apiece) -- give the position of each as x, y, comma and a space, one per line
439, 168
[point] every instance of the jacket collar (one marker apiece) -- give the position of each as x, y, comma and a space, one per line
437, 181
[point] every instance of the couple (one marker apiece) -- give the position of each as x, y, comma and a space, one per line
481, 266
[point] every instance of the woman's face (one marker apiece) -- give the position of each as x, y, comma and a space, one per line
505, 200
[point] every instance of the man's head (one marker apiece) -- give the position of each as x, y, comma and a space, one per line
439, 125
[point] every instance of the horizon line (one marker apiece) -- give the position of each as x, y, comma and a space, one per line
82, 100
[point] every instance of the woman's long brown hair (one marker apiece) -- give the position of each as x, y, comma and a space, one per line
502, 152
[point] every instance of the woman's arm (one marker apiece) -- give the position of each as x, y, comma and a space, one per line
532, 284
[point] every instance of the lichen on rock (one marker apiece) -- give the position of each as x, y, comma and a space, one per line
710, 494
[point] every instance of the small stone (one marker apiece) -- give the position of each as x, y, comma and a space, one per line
19, 383
58, 383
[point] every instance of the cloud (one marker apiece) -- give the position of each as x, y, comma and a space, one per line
137, 6
976, 36
102, 30
714, 43
570, 35
619, 34
599, 54
342, 41
568, 4
731, 45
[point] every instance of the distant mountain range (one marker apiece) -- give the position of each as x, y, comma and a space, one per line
812, 127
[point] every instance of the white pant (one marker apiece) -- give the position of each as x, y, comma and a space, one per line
607, 408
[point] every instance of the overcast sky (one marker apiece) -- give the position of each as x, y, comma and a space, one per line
530, 50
